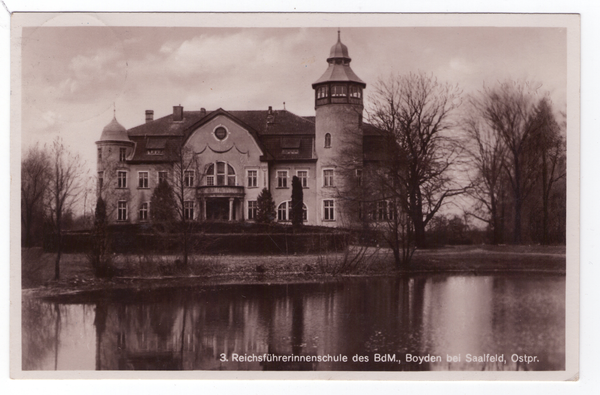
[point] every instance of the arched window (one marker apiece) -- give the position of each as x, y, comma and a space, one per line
284, 211
225, 174
327, 140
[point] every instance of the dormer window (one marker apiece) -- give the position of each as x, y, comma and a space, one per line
155, 152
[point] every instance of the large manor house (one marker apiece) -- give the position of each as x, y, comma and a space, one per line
242, 152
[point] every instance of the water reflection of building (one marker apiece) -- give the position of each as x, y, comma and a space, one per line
419, 316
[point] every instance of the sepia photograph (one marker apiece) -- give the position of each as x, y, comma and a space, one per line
384, 194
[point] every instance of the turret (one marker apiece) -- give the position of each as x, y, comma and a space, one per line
338, 118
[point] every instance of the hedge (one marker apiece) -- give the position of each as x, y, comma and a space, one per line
226, 243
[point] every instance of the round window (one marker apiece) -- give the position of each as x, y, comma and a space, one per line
220, 133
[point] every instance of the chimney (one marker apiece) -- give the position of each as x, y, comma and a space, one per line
270, 116
149, 116
203, 111
177, 113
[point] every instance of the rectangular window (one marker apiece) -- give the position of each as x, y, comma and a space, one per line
188, 178
121, 179
252, 209
303, 176
359, 174
122, 211
100, 180
328, 178
210, 180
355, 92
162, 176
188, 210
338, 90
122, 154
144, 212
143, 179
252, 178
99, 153
282, 179
328, 210
322, 92
382, 210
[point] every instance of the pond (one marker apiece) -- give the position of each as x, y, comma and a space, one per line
441, 322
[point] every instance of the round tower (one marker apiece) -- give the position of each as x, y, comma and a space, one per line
338, 134
114, 148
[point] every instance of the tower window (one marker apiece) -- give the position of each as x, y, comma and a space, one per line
355, 92
328, 178
99, 153
122, 179
338, 91
100, 180
322, 92
122, 154
327, 140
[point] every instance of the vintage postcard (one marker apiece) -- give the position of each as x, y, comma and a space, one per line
260, 196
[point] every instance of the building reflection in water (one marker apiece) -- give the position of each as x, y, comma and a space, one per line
197, 329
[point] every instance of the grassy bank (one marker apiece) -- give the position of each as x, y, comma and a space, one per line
150, 271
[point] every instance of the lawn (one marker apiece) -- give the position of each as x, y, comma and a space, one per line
156, 270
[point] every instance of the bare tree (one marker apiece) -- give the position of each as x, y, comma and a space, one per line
487, 152
186, 175
510, 110
415, 113
64, 189
35, 169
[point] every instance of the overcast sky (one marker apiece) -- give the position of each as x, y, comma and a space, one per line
71, 76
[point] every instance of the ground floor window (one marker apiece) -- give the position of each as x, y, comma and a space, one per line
328, 210
252, 209
284, 211
122, 211
144, 212
188, 210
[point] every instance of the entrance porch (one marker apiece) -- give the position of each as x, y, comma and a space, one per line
221, 203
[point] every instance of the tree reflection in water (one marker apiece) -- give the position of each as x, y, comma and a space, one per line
192, 329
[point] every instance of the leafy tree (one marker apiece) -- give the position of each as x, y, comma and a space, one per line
162, 204
297, 202
99, 255
265, 212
